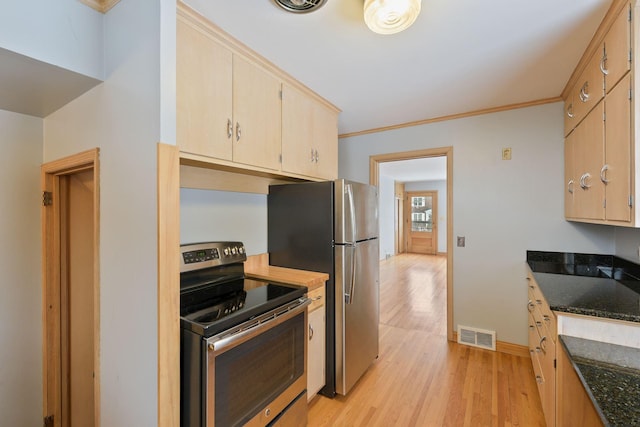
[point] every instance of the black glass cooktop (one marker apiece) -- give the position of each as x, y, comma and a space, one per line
210, 309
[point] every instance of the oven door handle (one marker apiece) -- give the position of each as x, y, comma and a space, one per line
257, 326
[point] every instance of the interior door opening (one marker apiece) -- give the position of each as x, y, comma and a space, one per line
71, 291
447, 153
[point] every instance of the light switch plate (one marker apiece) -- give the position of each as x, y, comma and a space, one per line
461, 241
506, 153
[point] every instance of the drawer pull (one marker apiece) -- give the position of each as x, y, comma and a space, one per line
318, 298
543, 347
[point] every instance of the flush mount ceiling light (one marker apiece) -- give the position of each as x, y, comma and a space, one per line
390, 16
300, 6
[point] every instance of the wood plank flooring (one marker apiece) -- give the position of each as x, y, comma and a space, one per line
421, 379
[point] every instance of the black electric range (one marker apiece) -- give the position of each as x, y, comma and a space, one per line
215, 295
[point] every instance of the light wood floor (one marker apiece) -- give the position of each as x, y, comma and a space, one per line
421, 379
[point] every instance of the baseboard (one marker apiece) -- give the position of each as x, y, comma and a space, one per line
505, 347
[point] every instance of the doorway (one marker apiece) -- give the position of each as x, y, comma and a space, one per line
421, 225
70, 261
447, 152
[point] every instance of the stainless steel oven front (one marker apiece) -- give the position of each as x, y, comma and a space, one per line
252, 374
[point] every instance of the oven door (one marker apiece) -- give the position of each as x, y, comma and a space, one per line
257, 369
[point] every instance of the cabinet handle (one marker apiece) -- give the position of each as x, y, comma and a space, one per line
583, 181
570, 186
312, 156
538, 323
570, 111
539, 379
310, 332
317, 157
584, 92
229, 128
543, 347
530, 306
602, 64
603, 174
238, 131
539, 302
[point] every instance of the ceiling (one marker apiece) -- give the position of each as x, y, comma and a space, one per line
459, 56
424, 169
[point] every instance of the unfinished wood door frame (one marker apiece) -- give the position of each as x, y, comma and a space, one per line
54, 180
434, 214
374, 179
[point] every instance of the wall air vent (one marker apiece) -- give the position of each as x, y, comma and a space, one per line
300, 6
477, 337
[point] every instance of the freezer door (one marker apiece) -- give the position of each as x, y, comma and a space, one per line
357, 321
356, 208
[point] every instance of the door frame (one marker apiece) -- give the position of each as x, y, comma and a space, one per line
374, 179
52, 258
407, 212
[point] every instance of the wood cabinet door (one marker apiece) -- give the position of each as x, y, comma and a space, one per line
617, 48
316, 353
574, 407
589, 158
589, 89
309, 135
203, 94
257, 115
325, 137
617, 167
570, 179
297, 132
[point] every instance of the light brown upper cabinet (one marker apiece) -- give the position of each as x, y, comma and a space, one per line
616, 48
599, 145
227, 107
237, 110
309, 135
204, 74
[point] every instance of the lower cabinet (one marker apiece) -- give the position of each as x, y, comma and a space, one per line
542, 348
316, 348
574, 405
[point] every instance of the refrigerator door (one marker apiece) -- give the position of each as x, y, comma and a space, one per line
357, 321
356, 208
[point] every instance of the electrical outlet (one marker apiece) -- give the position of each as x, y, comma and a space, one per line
506, 153
461, 242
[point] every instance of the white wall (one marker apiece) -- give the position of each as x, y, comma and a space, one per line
502, 207
386, 218
627, 243
65, 33
219, 215
20, 246
122, 117
441, 188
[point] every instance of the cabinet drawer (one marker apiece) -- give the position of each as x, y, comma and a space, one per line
317, 298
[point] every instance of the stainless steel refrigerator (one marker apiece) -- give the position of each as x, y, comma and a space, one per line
332, 227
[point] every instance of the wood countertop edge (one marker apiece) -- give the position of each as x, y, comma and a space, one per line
311, 279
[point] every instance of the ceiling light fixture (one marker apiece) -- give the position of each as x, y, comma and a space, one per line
390, 16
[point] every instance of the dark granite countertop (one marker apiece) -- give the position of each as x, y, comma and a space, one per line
611, 376
593, 285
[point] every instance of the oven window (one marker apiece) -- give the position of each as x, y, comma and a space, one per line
254, 373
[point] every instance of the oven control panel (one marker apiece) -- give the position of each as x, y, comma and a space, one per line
195, 256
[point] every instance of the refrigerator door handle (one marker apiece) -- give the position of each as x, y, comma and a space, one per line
352, 213
348, 297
